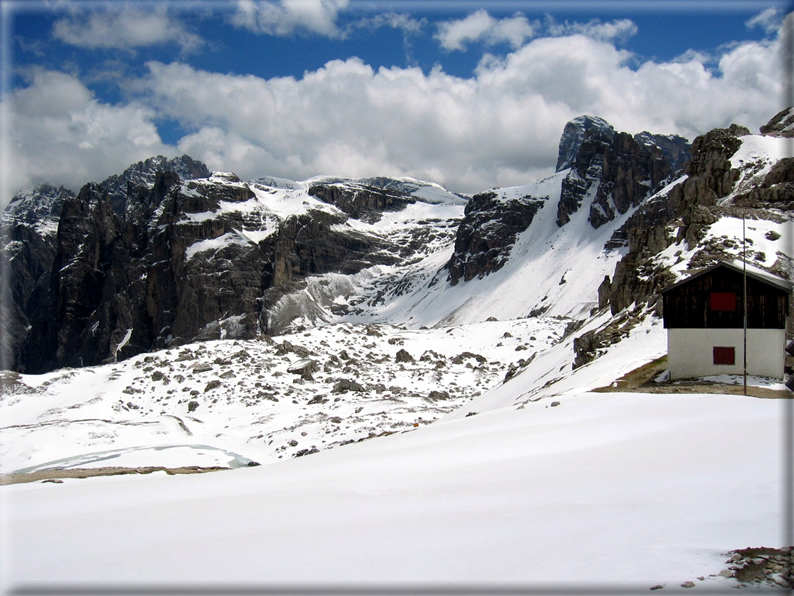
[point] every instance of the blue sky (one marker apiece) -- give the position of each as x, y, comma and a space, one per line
468, 94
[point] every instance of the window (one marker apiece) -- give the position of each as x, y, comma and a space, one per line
724, 355
725, 301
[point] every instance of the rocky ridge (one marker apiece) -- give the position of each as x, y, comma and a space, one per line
672, 233
215, 257
619, 170
487, 233
200, 258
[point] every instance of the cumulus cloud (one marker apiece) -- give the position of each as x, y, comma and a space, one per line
481, 26
124, 29
289, 16
499, 127
60, 133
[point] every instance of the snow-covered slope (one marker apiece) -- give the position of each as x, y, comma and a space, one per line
226, 403
608, 492
551, 270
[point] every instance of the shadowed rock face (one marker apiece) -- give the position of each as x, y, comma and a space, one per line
178, 262
487, 233
140, 177
619, 171
28, 245
781, 124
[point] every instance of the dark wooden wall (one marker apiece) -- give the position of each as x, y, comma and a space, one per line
688, 305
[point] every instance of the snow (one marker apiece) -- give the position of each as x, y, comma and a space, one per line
756, 148
625, 490
524, 476
124, 341
258, 408
532, 276
216, 244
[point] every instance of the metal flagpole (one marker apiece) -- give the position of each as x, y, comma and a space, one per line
744, 299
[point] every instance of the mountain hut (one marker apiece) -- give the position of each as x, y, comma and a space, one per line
704, 318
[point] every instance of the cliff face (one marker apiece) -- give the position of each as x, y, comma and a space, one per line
185, 260
28, 243
716, 184
610, 172
487, 233
619, 170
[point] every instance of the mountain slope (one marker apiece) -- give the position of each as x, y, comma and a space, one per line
399, 305
612, 492
321, 260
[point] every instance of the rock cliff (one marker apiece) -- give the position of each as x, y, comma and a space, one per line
487, 233
148, 259
618, 170
713, 186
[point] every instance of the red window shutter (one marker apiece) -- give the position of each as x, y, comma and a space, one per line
723, 301
724, 355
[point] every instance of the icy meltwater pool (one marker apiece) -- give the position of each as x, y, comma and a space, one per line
164, 455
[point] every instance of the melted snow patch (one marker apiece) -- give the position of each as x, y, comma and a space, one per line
215, 244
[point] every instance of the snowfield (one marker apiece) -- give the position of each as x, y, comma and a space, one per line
621, 490
532, 485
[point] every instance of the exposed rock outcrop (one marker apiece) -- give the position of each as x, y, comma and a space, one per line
188, 260
616, 170
487, 233
28, 242
573, 135
139, 178
683, 213
710, 176
360, 201
781, 124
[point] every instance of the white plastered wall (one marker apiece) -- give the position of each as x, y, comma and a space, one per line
690, 352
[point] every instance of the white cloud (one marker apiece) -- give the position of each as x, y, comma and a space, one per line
60, 133
615, 31
403, 22
769, 20
125, 29
480, 26
289, 16
500, 127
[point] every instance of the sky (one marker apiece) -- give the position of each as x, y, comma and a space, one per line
471, 95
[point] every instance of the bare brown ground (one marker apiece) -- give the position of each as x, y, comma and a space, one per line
55, 475
641, 380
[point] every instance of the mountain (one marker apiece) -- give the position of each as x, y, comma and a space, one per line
28, 244
355, 313
148, 259
152, 259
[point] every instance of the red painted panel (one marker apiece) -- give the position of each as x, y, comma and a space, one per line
723, 301
724, 355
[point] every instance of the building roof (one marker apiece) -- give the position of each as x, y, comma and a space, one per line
738, 266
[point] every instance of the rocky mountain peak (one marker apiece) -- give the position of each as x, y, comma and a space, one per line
574, 134
142, 175
617, 170
781, 124
37, 207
